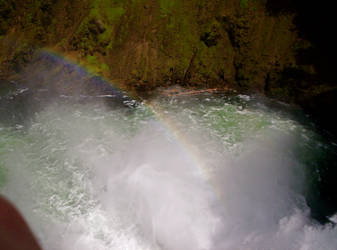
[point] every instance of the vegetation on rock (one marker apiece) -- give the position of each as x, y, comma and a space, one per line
251, 45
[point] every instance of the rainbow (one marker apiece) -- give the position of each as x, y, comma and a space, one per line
168, 124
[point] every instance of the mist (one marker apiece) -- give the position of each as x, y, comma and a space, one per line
90, 177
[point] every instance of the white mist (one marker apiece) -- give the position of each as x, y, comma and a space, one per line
90, 178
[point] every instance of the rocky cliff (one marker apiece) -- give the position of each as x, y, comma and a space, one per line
279, 48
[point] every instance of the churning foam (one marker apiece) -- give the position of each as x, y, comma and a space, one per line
87, 177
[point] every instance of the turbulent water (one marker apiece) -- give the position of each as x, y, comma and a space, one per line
194, 172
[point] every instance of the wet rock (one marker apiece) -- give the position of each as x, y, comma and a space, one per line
96, 26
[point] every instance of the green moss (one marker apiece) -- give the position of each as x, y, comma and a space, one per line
244, 3
106, 36
29, 17
95, 65
104, 67
109, 10
166, 6
92, 60
179, 39
114, 13
103, 15
94, 12
110, 45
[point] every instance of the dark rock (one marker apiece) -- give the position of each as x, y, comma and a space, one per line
96, 26
210, 38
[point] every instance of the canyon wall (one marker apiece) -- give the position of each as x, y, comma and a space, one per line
283, 49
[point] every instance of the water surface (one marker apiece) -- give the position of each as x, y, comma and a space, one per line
186, 172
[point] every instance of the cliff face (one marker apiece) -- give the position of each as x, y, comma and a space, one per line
251, 45
146, 43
